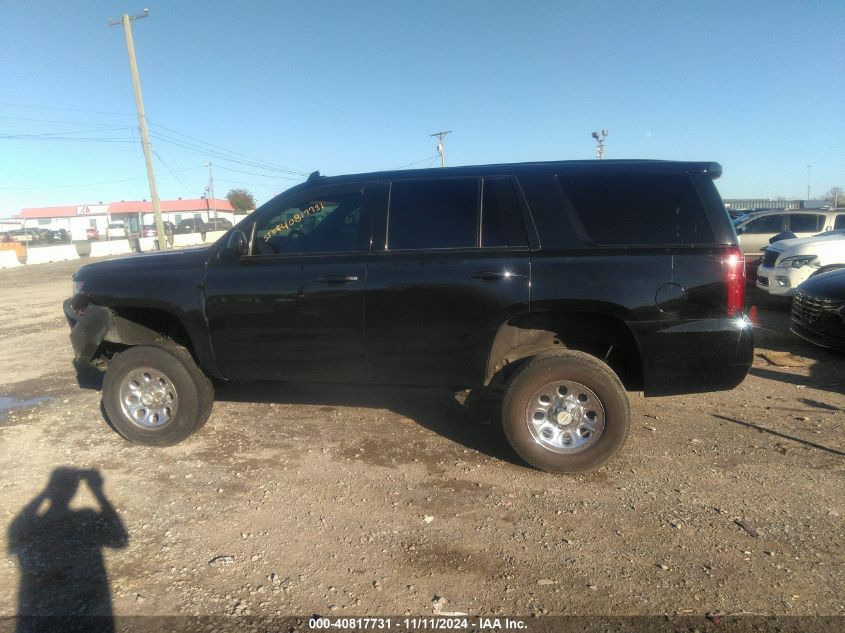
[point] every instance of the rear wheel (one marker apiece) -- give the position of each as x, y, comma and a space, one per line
566, 412
156, 396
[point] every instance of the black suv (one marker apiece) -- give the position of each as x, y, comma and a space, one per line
562, 283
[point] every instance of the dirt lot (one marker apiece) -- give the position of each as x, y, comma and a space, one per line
346, 500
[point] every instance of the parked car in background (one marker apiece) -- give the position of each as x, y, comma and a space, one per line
788, 263
116, 231
58, 236
218, 224
755, 230
21, 235
190, 225
818, 310
149, 230
92, 233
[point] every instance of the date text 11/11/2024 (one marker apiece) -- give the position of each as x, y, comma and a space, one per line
417, 623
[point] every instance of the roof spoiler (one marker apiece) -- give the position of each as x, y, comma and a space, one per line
714, 170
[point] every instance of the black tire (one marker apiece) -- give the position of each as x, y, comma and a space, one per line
572, 366
194, 391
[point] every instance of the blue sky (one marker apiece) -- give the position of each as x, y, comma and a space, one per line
345, 87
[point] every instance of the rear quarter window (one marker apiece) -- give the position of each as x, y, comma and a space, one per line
638, 209
806, 222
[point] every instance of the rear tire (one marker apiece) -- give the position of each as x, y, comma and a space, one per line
156, 396
566, 412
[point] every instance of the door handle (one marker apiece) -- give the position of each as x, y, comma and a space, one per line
495, 275
337, 279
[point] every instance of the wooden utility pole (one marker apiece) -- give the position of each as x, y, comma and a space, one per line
441, 146
142, 123
213, 199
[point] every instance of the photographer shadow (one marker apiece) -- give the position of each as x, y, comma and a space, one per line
63, 579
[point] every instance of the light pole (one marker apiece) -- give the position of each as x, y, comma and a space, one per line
809, 167
600, 136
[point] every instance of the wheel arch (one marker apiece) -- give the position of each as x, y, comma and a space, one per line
600, 334
133, 325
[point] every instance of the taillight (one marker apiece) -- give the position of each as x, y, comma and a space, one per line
735, 269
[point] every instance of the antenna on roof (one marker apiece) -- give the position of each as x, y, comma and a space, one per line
315, 175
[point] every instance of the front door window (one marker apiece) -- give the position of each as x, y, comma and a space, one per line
331, 223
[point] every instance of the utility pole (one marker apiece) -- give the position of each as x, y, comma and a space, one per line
142, 122
809, 167
211, 188
441, 147
600, 136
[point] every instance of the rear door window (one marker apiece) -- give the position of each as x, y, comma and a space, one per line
431, 214
628, 209
840, 222
806, 222
501, 219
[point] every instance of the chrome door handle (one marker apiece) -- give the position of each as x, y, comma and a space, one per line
495, 275
338, 279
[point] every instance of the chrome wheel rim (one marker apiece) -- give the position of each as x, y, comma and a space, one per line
565, 417
148, 398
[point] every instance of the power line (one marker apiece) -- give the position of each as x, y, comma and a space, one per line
45, 135
229, 151
242, 183
208, 153
42, 107
418, 162
89, 184
252, 173
62, 122
95, 139
176, 174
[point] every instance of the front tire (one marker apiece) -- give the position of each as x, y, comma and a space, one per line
156, 396
566, 412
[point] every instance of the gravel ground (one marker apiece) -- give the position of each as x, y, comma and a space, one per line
357, 500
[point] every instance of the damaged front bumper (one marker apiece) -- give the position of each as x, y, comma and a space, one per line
88, 329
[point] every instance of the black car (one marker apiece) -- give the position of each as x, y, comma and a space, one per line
818, 310
562, 284
190, 225
218, 224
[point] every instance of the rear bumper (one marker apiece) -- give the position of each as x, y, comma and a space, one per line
697, 356
88, 328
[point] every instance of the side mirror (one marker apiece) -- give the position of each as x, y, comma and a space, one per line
236, 247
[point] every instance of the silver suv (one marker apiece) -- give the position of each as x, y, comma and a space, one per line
755, 230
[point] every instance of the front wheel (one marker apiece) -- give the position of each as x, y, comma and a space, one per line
566, 412
156, 396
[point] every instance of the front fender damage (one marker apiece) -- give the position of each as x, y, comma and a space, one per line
94, 324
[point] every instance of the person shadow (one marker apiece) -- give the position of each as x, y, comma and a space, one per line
63, 579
